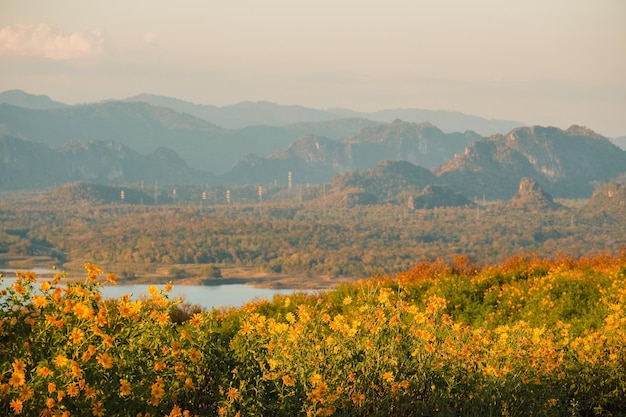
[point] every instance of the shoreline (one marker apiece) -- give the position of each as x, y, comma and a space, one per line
231, 276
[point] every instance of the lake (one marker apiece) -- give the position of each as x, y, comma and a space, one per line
208, 296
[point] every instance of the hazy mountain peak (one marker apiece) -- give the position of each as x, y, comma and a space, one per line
531, 196
21, 98
576, 130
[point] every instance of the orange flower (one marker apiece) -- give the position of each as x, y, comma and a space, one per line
194, 355
196, 319
111, 278
40, 301
288, 381
17, 379
105, 360
77, 335
26, 393
72, 390
188, 384
44, 372
97, 409
232, 394
19, 366
125, 389
388, 376
316, 379
16, 406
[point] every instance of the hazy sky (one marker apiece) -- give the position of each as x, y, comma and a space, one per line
548, 62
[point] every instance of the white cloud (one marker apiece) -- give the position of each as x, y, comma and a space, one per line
45, 41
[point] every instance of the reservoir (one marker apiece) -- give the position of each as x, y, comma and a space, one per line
206, 296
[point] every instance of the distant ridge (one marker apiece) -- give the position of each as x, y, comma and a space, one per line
29, 101
255, 113
251, 113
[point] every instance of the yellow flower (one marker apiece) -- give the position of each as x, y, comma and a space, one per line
358, 398
108, 341
73, 390
19, 366
91, 350
188, 384
82, 311
232, 394
176, 412
196, 319
125, 389
347, 300
388, 376
157, 388
105, 360
316, 379
17, 379
90, 393
159, 366
44, 372
26, 393
97, 409
16, 406
288, 381
77, 335
52, 387
40, 301
50, 402
112, 278
194, 355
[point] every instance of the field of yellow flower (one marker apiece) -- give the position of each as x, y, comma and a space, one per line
528, 337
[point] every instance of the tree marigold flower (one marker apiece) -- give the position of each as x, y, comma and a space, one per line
194, 355
196, 319
17, 379
316, 379
97, 409
111, 278
288, 381
125, 389
19, 366
40, 301
17, 406
232, 394
26, 393
105, 360
188, 385
388, 376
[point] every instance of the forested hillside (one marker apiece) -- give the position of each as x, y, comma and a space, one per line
317, 236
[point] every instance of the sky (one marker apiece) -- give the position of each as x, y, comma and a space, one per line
550, 63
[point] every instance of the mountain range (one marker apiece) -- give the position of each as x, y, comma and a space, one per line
45, 143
